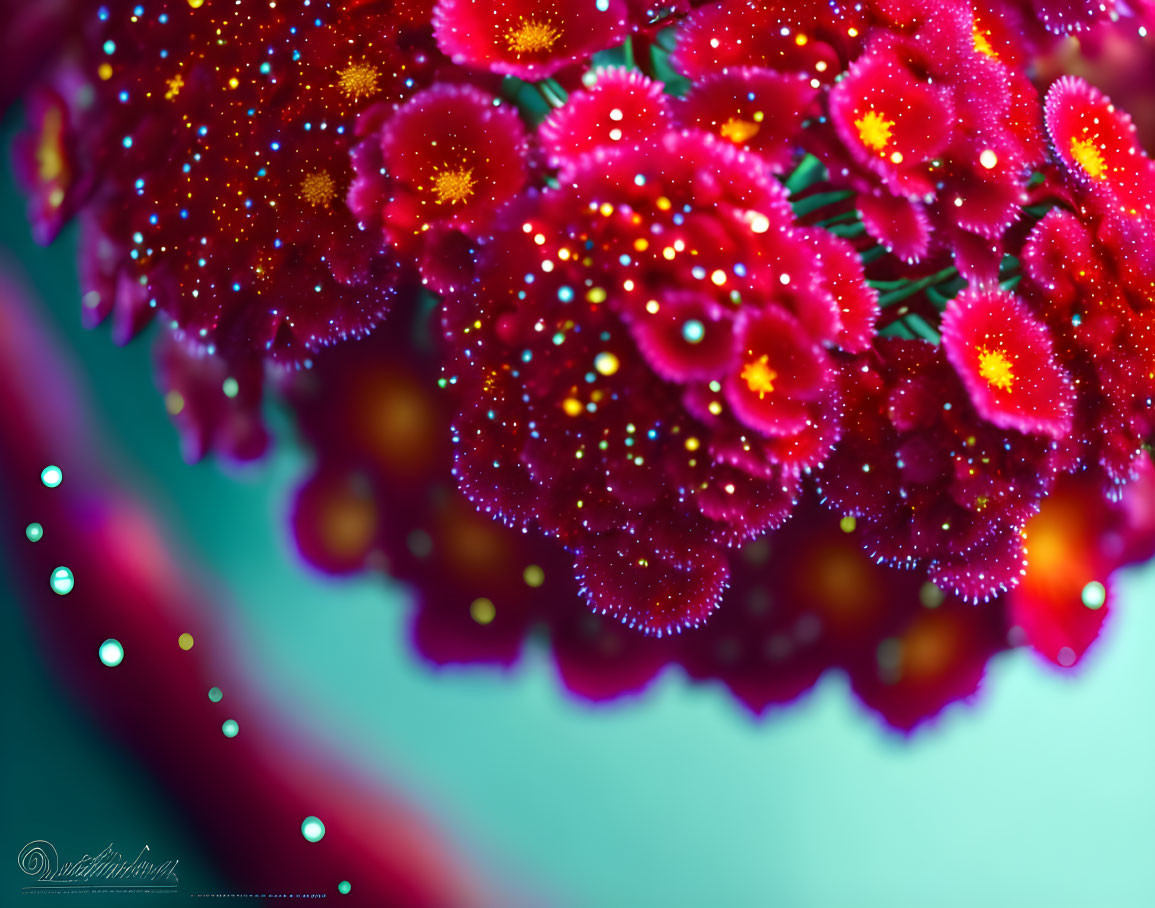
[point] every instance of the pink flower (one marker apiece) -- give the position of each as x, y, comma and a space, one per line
531, 39
621, 107
646, 368
756, 109
449, 158
1003, 355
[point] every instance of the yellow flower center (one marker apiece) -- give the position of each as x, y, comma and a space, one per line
532, 36
874, 130
739, 131
759, 377
358, 80
48, 152
318, 189
453, 186
1087, 155
982, 45
996, 369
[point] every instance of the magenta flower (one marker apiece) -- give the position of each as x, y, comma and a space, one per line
811, 38
1097, 144
1003, 355
756, 109
449, 158
930, 482
621, 107
652, 404
531, 39
212, 153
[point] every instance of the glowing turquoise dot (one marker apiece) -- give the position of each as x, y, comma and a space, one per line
51, 476
231, 388
34, 532
230, 728
62, 581
1094, 595
693, 331
215, 694
111, 652
344, 887
313, 829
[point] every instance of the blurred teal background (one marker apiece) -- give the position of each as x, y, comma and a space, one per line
1043, 792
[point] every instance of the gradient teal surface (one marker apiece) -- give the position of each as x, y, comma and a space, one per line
1042, 792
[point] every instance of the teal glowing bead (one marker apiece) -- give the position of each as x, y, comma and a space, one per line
51, 476
312, 829
215, 694
111, 652
230, 728
344, 887
62, 581
34, 532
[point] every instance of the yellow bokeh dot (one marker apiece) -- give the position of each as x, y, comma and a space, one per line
196, 4
606, 363
572, 406
104, 71
534, 576
185, 641
482, 611
848, 524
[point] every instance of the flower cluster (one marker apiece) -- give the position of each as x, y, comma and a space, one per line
797, 312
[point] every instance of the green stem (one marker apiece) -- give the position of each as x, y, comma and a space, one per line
918, 326
553, 94
848, 231
812, 203
914, 287
667, 39
808, 172
845, 217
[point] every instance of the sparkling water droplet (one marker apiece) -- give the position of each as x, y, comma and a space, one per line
34, 532
62, 581
313, 829
344, 887
230, 728
215, 694
111, 652
51, 476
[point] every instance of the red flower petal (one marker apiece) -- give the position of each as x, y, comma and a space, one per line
1097, 143
622, 576
892, 120
621, 107
757, 109
780, 371
1005, 359
899, 224
527, 38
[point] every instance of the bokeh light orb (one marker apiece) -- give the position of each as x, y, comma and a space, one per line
312, 829
62, 581
111, 652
